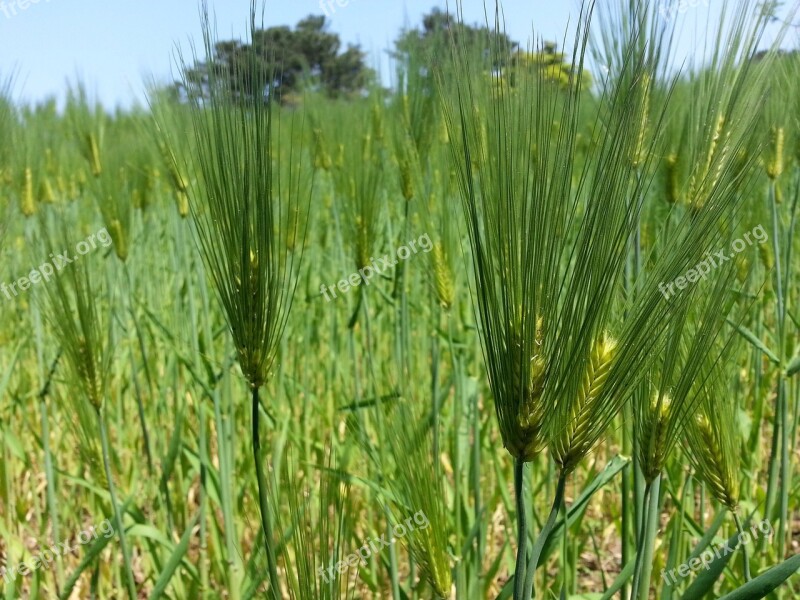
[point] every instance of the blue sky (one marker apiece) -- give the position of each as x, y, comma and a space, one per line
114, 47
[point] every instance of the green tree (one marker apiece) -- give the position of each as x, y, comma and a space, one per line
306, 57
423, 50
429, 45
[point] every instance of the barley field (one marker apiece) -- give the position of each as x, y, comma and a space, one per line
525, 325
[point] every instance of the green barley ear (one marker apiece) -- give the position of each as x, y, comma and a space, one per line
322, 526
92, 152
543, 296
145, 180
653, 428
72, 302
88, 127
179, 181
406, 179
46, 195
710, 436
766, 256
358, 174
442, 135
183, 204
718, 106
529, 438
774, 161
418, 488
171, 121
443, 227
339, 159
671, 185
113, 186
707, 174
248, 203
322, 159
114, 197
575, 440
442, 276
639, 154
687, 359
120, 238
28, 204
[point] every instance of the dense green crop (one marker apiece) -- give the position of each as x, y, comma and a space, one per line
506, 332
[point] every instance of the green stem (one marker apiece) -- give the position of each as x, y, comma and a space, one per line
204, 579
628, 515
773, 468
476, 489
753, 456
522, 528
745, 559
644, 554
129, 580
379, 420
781, 400
51, 485
786, 483
435, 398
639, 490
459, 570
52, 503
702, 516
266, 520
568, 566
202, 426
776, 247
224, 447
139, 403
533, 561
457, 415
786, 451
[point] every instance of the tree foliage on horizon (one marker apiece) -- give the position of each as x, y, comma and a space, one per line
306, 57
309, 57
440, 29
423, 50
